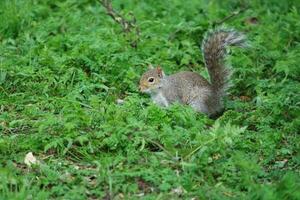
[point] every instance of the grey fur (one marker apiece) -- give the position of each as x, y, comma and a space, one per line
190, 88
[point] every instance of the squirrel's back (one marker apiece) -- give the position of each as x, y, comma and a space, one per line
188, 78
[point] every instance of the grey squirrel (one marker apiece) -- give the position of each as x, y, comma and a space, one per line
190, 88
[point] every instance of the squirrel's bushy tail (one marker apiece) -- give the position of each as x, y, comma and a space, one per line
214, 48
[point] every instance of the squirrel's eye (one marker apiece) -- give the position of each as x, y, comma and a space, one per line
151, 80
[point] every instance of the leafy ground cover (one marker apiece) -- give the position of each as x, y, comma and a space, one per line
65, 63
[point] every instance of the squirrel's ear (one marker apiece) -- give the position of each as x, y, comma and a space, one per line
160, 72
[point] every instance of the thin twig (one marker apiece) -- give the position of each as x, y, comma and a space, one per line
161, 147
128, 26
233, 14
17, 130
198, 148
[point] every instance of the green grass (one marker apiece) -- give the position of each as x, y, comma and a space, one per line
64, 64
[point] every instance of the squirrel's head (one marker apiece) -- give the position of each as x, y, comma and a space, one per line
150, 80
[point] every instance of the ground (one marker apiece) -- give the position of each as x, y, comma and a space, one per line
65, 66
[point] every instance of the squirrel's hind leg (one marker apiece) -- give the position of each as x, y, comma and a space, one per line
199, 101
199, 106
